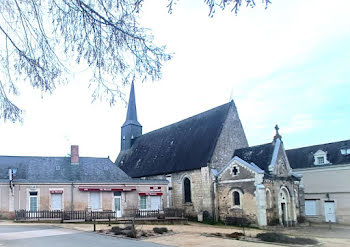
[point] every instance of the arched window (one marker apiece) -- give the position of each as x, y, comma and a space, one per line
236, 198
187, 190
268, 199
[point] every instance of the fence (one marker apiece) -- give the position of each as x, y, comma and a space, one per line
97, 215
140, 213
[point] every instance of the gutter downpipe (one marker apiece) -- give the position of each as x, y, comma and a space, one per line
72, 198
213, 196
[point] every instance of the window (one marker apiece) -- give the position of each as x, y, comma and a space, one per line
268, 199
33, 201
235, 171
56, 201
236, 198
187, 190
320, 160
310, 207
143, 202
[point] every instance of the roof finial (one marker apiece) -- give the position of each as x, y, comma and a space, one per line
277, 135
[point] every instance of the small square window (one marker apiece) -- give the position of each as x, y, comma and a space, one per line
117, 193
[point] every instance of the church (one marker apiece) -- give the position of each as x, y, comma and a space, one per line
211, 169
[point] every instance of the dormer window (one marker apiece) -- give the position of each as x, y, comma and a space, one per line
320, 158
345, 150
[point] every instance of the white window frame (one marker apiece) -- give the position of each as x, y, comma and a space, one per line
318, 156
29, 196
147, 202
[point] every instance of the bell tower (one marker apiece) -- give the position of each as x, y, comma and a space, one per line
131, 129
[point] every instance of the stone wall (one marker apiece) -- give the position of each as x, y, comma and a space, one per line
232, 137
200, 190
225, 205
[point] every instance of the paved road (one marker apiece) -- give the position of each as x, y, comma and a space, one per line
46, 236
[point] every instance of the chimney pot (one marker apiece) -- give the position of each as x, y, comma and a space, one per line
74, 158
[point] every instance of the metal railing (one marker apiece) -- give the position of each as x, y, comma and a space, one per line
97, 215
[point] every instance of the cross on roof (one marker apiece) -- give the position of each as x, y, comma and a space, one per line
235, 170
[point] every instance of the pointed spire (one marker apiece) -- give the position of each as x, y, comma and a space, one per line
131, 117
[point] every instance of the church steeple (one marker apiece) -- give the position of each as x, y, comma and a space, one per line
131, 129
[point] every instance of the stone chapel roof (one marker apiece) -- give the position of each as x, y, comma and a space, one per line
59, 169
185, 145
260, 155
304, 157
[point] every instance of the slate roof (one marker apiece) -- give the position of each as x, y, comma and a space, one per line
185, 145
131, 116
59, 169
304, 157
260, 155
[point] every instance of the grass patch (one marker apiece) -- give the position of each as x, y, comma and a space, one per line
282, 238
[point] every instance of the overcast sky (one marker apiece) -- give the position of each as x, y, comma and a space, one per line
289, 64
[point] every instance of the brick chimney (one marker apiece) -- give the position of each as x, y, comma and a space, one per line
74, 157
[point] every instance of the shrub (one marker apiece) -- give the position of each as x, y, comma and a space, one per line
281, 238
237, 221
236, 235
130, 233
129, 227
160, 230
116, 230
274, 222
164, 229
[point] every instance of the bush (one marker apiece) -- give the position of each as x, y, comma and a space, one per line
129, 227
130, 234
164, 229
235, 235
160, 230
237, 221
281, 238
116, 230
274, 222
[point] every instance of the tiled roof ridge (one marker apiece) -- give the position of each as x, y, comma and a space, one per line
323, 144
186, 119
52, 157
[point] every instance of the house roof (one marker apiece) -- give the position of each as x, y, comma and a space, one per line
185, 145
260, 155
60, 169
304, 157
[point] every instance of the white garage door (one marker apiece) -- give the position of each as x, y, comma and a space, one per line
310, 207
155, 202
56, 201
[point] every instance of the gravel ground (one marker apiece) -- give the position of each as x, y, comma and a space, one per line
190, 235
